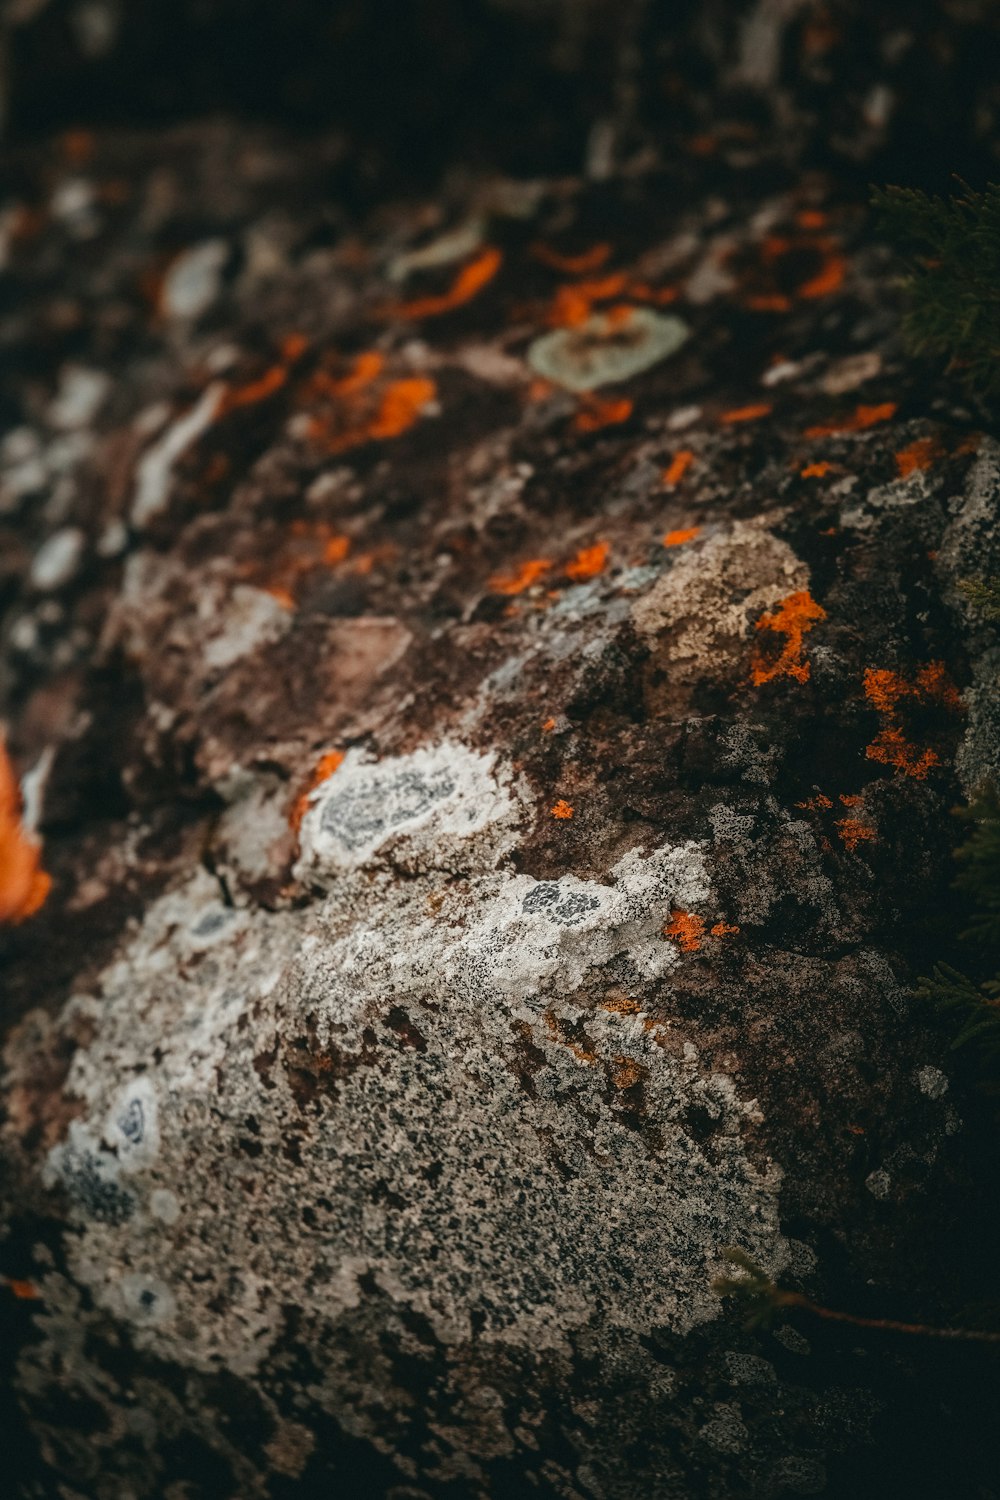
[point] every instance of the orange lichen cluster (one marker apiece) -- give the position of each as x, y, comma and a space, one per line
723, 929
526, 574
23, 884
853, 832
467, 284
548, 726
886, 691
574, 303
680, 536
829, 278
572, 265
816, 471
751, 413
793, 619
860, 420
626, 1072
322, 771
769, 288
255, 390
24, 1291
677, 468
819, 803
588, 562
918, 456
686, 929
362, 413
307, 546
561, 809
596, 412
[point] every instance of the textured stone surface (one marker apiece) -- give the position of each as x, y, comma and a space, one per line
492, 832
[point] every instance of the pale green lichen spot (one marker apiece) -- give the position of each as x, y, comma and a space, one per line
606, 348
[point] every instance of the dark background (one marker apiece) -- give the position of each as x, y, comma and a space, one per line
896, 90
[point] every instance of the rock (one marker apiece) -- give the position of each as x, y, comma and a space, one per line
491, 853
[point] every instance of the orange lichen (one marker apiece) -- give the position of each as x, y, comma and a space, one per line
860, 420
574, 304
816, 471
918, 456
401, 404
366, 368
255, 390
815, 804
886, 691
522, 578
890, 747
284, 596
588, 562
540, 389
723, 929
561, 809
366, 562
322, 771
548, 726
828, 279
596, 412
793, 618
398, 408
23, 884
850, 799
680, 536
677, 467
768, 302
853, 833
626, 1072
293, 346
686, 930
79, 145
751, 413
25, 1291
662, 295
469, 281
572, 265
306, 546
810, 218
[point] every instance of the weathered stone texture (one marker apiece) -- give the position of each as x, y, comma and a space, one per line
488, 874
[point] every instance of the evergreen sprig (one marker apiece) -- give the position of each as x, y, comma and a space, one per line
975, 1003
983, 594
950, 252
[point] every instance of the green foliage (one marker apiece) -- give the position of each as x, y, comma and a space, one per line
983, 594
950, 251
975, 1004
753, 1289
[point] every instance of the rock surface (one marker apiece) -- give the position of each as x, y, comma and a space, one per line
493, 829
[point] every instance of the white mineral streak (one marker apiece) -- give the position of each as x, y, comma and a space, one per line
155, 468
422, 1157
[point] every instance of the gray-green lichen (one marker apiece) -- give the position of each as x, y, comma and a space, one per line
607, 348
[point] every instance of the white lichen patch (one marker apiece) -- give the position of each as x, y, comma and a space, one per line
606, 349
193, 280
438, 808
250, 619
357, 1068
